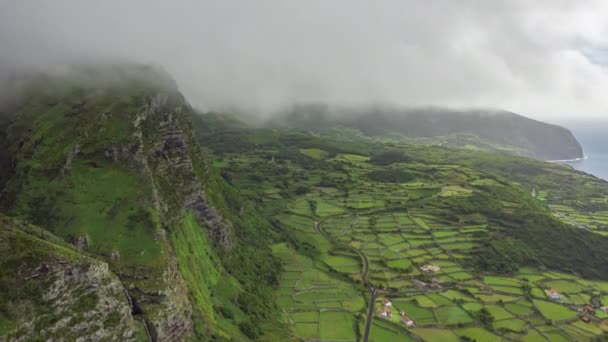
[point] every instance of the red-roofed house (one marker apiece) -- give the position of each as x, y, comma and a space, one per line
387, 302
385, 312
407, 321
588, 309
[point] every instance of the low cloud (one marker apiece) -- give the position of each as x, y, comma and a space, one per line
544, 59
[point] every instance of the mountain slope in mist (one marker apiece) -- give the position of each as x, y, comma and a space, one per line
105, 158
494, 131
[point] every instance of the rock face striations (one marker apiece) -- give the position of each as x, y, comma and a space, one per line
106, 158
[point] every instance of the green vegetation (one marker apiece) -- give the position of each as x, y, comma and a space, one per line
553, 311
33, 263
314, 153
429, 334
474, 130
278, 234
452, 315
403, 208
114, 168
477, 334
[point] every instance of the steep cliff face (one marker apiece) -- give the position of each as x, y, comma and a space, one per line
108, 161
50, 290
168, 151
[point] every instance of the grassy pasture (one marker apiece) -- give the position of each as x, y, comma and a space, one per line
433, 334
337, 326
477, 334
351, 157
401, 264
491, 280
314, 153
420, 222
534, 336
515, 325
565, 286
553, 311
518, 309
307, 330
451, 315
383, 332
325, 208
498, 312
420, 315
472, 307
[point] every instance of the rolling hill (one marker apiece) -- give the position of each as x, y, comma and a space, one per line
486, 130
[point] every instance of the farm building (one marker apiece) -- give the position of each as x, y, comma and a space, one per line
430, 268
588, 309
385, 312
553, 294
406, 320
387, 302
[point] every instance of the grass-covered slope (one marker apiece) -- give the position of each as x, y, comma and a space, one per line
106, 159
354, 210
49, 290
538, 235
486, 130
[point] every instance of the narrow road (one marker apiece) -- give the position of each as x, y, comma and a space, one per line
370, 313
566, 217
372, 291
573, 222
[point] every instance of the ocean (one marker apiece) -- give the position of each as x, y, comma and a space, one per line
594, 138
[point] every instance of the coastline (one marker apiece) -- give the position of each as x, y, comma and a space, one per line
584, 157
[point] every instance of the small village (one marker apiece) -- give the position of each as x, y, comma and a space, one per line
385, 312
415, 261
587, 312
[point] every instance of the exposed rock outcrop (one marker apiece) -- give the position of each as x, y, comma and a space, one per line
168, 153
67, 296
122, 146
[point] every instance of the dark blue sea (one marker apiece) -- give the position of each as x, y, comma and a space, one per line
594, 138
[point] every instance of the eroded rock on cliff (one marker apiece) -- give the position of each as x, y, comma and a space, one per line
58, 293
111, 165
170, 151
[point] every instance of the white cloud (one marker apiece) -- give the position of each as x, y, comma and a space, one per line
520, 55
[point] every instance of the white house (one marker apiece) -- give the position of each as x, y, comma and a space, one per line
430, 268
385, 312
553, 294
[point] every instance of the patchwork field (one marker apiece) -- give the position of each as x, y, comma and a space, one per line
357, 226
398, 244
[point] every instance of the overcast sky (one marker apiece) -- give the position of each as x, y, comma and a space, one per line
547, 59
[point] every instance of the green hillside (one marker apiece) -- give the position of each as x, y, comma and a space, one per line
106, 160
484, 130
501, 229
126, 215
